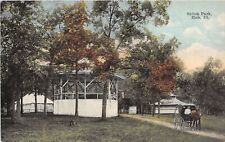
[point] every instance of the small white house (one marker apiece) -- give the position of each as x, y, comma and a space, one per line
169, 106
29, 103
133, 110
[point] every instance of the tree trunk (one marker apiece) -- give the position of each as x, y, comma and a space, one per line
9, 107
153, 109
16, 117
45, 104
104, 101
35, 100
12, 109
21, 106
77, 96
158, 108
141, 109
53, 92
18, 107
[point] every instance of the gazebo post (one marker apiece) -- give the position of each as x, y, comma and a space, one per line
109, 89
117, 90
85, 88
61, 88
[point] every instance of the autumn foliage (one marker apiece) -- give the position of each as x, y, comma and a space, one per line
73, 43
105, 57
162, 75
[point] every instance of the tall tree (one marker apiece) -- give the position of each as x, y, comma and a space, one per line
120, 21
184, 86
105, 64
162, 77
21, 40
72, 47
149, 59
208, 87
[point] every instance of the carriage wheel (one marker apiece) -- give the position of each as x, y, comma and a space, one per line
175, 122
178, 122
199, 124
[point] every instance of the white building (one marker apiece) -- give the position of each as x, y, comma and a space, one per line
169, 106
29, 103
90, 91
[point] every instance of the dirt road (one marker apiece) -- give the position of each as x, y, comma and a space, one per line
169, 125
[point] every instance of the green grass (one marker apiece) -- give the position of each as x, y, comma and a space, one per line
57, 129
208, 123
213, 123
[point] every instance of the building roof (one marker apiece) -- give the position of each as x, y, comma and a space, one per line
30, 98
172, 101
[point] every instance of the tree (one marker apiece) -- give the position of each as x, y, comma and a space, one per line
208, 87
21, 41
152, 63
72, 43
105, 64
120, 21
184, 86
162, 77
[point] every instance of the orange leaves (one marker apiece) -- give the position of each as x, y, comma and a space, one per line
106, 57
73, 42
162, 75
75, 16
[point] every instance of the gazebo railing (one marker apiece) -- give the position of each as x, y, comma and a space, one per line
65, 96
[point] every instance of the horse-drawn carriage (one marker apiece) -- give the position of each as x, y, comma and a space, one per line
187, 116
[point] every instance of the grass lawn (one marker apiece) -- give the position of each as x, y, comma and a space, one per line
57, 129
209, 123
213, 123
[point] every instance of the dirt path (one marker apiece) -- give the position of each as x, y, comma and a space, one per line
169, 125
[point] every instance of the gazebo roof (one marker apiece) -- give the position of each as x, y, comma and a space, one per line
30, 98
89, 72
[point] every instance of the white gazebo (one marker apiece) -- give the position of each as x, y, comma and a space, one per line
169, 106
90, 91
29, 103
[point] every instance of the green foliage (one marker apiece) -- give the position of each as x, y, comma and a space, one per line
124, 20
209, 87
152, 63
21, 34
120, 21
61, 40
22, 43
205, 87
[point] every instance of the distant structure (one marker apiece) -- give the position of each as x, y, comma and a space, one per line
29, 103
90, 91
169, 106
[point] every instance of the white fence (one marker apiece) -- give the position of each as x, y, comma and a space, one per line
166, 109
86, 107
27, 108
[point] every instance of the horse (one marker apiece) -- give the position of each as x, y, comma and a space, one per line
195, 117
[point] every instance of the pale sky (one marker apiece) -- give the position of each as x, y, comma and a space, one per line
199, 38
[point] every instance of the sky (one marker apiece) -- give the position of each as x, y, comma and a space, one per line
200, 38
